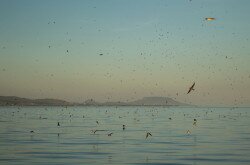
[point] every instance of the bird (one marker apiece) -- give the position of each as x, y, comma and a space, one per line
123, 127
188, 132
100, 54
209, 19
97, 122
94, 131
195, 121
67, 51
110, 134
31, 131
148, 134
58, 124
191, 88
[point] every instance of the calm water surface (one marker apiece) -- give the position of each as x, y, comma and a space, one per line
220, 136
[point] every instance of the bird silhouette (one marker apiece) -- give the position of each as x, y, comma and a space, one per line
110, 134
123, 127
191, 88
58, 124
195, 121
94, 131
209, 19
148, 134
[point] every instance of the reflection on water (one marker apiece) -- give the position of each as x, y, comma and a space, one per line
220, 135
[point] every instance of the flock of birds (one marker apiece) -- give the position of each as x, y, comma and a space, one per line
124, 126
191, 88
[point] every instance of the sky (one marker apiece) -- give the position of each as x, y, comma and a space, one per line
123, 50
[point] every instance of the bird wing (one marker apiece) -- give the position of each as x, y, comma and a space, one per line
191, 88
193, 85
210, 19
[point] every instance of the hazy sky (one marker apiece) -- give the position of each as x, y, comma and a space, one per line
51, 49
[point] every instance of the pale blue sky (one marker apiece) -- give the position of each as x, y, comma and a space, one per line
149, 47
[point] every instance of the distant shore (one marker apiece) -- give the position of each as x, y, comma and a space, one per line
145, 101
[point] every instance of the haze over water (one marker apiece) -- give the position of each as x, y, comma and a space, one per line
220, 136
186, 52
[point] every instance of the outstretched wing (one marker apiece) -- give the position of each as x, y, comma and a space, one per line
191, 88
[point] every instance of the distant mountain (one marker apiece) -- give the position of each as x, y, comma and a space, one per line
157, 101
13, 100
145, 101
150, 101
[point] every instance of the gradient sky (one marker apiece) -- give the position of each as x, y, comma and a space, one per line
149, 47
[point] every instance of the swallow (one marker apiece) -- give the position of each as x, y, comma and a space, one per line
100, 54
94, 131
148, 134
110, 134
97, 122
31, 131
191, 88
58, 124
195, 121
209, 19
123, 127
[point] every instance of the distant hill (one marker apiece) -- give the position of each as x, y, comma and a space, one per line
13, 100
150, 101
145, 101
157, 101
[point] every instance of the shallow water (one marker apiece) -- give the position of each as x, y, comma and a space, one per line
220, 136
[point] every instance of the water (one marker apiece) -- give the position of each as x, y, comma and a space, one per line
220, 136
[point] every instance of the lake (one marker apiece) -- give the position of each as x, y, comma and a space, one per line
220, 135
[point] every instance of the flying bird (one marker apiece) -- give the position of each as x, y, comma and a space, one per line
94, 131
191, 88
209, 19
148, 134
110, 134
58, 124
195, 121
